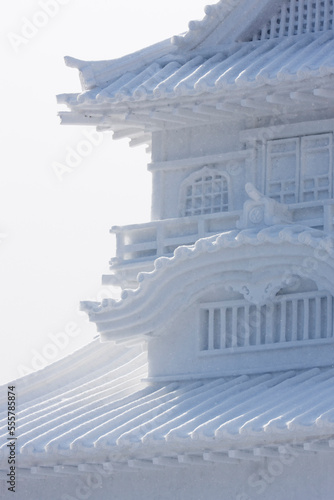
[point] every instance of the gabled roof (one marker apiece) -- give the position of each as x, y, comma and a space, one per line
244, 57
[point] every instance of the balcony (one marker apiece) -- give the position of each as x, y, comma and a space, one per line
138, 245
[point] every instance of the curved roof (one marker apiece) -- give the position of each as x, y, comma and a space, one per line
155, 298
236, 67
116, 418
223, 67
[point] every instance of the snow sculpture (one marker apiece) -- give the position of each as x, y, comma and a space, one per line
261, 210
230, 287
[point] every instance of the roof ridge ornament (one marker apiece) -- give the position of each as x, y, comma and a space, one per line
260, 210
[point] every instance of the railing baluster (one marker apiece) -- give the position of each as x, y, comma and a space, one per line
234, 327
292, 18
306, 319
317, 317
326, 16
287, 319
211, 330
283, 20
282, 336
317, 16
329, 316
300, 16
258, 324
246, 326
309, 16
269, 324
294, 322
222, 327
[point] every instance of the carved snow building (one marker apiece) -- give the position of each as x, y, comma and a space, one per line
231, 285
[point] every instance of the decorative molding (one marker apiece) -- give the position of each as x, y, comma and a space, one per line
261, 210
286, 131
230, 158
210, 259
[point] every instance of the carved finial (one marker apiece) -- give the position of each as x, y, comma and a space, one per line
252, 192
261, 210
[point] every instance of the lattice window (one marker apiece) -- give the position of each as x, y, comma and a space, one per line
205, 192
316, 152
296, 17
288, 318
282, 171
299, 169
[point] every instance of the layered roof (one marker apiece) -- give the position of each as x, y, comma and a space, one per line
113, 417
97, 406
266, 56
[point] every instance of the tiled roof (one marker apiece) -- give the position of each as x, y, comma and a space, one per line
245, 66
116, 413
199, 30
155, 302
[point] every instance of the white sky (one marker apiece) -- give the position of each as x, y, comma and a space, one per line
57, 242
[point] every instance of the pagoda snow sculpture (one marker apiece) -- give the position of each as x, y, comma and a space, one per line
229, 289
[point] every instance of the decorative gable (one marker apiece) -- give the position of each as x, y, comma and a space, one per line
295, 17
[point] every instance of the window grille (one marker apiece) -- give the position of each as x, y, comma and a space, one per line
296, 17
206, 192
288, 318
299, 169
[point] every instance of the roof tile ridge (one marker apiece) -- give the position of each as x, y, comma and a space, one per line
170, 413
150, 394
111, 410
276, 234
125, 357
227, 405
147, 410
89, 396
283, 423
303, 381
214, 14
95, 72
198, 398
65, 423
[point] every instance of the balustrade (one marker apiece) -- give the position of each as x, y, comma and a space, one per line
138, 245
287, 319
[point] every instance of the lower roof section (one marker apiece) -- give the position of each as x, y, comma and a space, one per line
112, 415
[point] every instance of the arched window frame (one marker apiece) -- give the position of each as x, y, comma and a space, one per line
189, 182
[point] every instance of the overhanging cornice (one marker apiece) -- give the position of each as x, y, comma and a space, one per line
233, 258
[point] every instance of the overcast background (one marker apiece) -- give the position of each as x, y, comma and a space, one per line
54, 230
